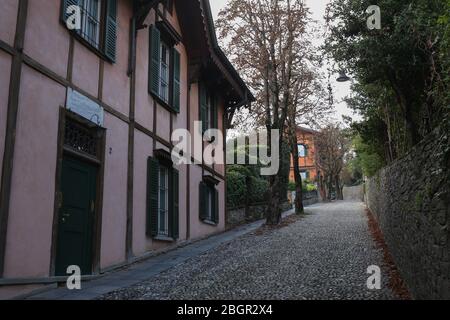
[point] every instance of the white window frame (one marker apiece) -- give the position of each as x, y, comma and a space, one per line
301, 150
163, 212
210, 202
164, 72
304, 175
88, 21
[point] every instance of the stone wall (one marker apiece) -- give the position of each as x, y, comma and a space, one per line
410, 200
256, 212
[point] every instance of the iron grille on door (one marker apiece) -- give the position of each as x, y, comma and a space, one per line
80, 138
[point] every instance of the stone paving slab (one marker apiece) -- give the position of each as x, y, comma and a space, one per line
146, 269
324, 254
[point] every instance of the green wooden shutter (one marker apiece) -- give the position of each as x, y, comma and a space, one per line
110, 45
155, 42
175, 204
203, 201
203, 105
66, 4
215, 113
152, 197
176, 80
216, 206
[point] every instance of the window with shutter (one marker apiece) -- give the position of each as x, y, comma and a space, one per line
208, 203
203, 202
176, 80
110, 46
154, 57
164, 70
208, 109
162, 200
175, 206
66, 6
152, 197
216, 207
98, 22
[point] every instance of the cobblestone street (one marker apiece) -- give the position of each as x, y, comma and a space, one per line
323, 255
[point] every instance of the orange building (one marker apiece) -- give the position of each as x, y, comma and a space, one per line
306, 161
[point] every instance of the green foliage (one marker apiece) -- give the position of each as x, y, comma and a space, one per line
237, 188
291, 186
259, 185
367, 158
402, 72
441, 89
259, 188
307, 186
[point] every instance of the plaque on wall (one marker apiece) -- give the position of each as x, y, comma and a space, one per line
85, 107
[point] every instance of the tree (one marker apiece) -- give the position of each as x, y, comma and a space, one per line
332, 144
401, 71
307, 107
264, 42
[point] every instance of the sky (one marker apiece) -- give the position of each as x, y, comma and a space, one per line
341, 90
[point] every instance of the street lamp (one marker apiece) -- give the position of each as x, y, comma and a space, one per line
342, 77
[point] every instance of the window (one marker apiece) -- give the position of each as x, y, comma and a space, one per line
98, 24
164, 75
302, 151
164, 69
90, 22
162, 199
163, 202
304, 175
208, 109
209, 203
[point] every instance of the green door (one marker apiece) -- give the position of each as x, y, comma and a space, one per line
76, 216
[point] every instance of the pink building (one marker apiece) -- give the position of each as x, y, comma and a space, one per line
86, 117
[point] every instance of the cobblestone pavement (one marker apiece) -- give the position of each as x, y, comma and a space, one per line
323, 255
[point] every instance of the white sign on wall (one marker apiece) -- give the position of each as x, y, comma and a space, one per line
85, 107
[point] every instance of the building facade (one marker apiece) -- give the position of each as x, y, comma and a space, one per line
86, 119
306, 156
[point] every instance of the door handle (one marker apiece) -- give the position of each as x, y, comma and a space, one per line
64, 216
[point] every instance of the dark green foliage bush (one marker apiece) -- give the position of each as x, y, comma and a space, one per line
307, 186
236, 189
237, 186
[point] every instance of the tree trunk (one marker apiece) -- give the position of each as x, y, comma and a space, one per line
299, 209
339, 193
406, 107
330, 188
322, 189
273, 213
411, 127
